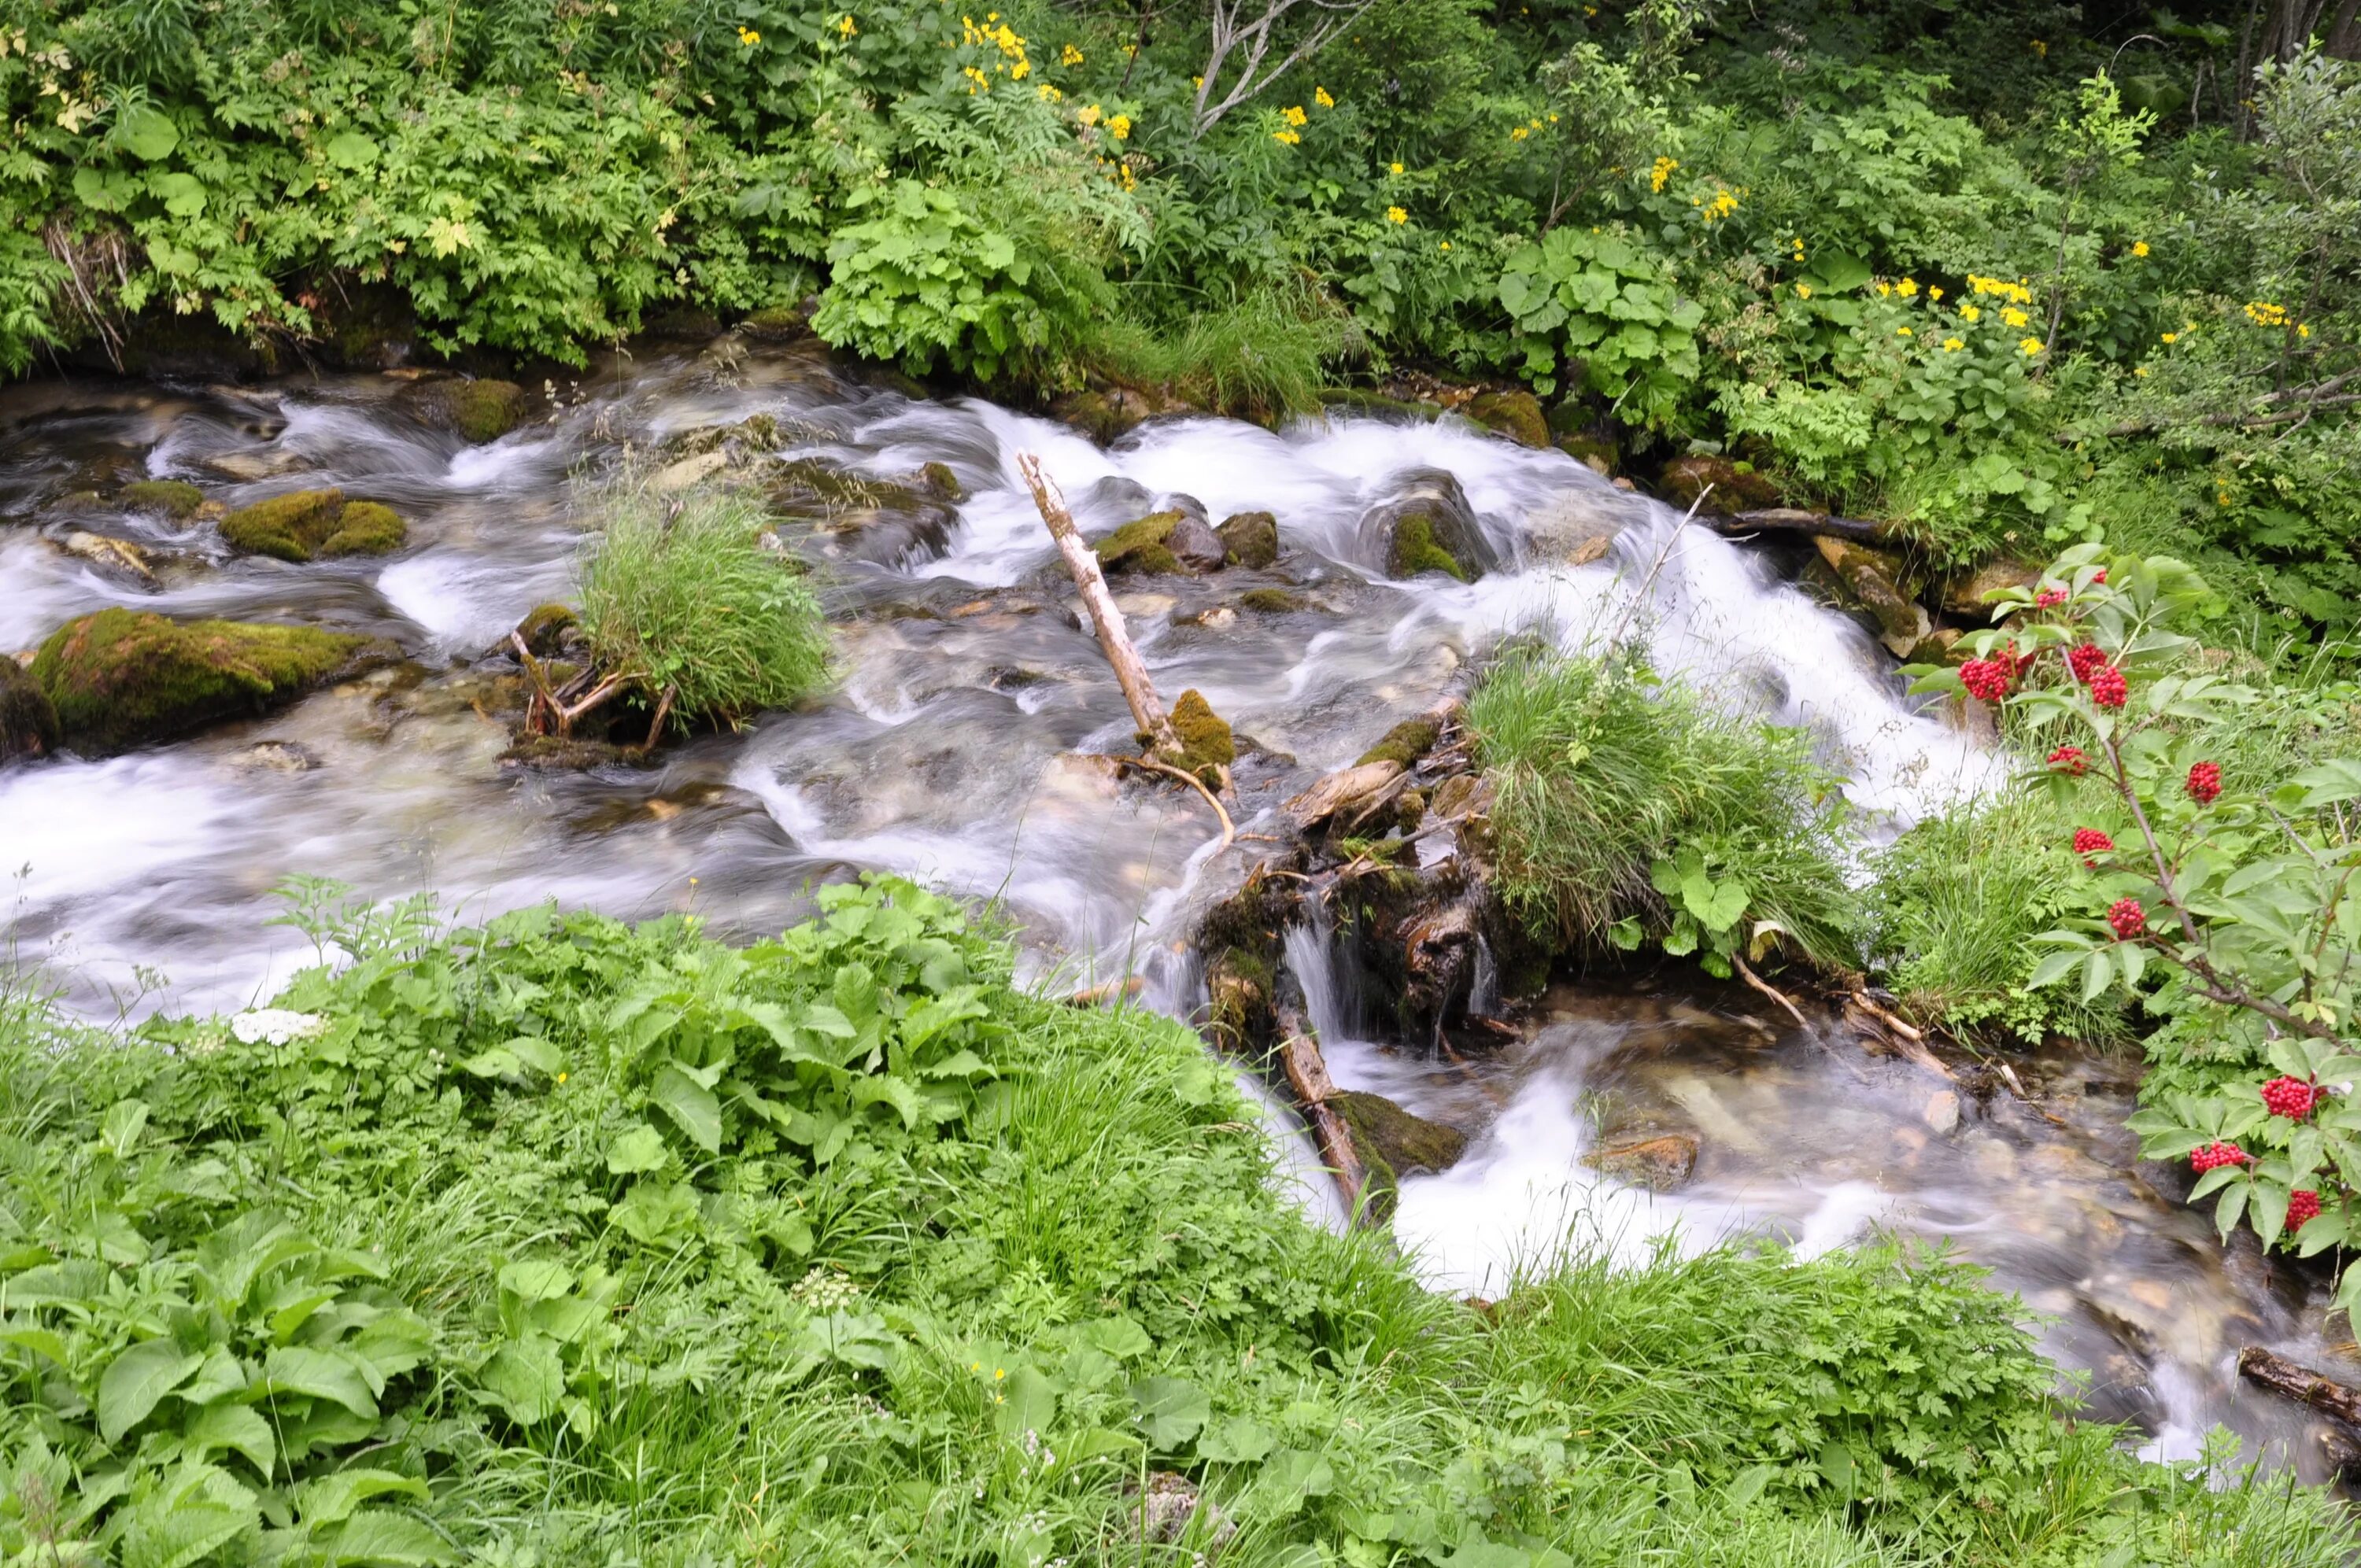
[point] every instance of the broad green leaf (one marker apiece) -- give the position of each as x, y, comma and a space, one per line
1237, 1439
376, 1538
147, 133
135, 1379
300, 1369
239, 1428
126, 1120
333, 1498
1119, 1337
1170, 1410
536, 1280
176, 1534
525, 1379
689, 1103
350, 149
639, 1148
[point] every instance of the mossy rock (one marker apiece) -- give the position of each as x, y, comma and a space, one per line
1170, 542
1206, 742
1595, 452
1429, 527
1273, 601
28, 720
119, 679
554, 754
162, 498
777, 323
1517, 416
481, 411
1240, 983
940, 479
303, 524
1393, 1143
549, 630
1405, 743
1250, 539
1734, 487
1415, 551
755, 432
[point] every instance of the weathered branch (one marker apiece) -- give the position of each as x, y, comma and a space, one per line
1147, 713
2267, 1369
2304, 400
1307, 1074
1792, 519
1229, 830
1228, 33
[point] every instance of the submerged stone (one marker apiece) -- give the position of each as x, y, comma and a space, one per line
1250, 539
119, 679
1659, 1164
480, 411
302, 524
163, 498
1405, 743
28, 720
1273, 601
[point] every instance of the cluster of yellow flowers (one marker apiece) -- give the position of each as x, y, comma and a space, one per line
2031, 346
1292, 132
1724, 202
1050, 94
1396, 215
1661, 171
1798, 243
2262, 312
845, 28
1069, 55
1289, 137
998, 35
2139, 247
748, 38
1320, 96
1952, 345
2001, 288
1294, 116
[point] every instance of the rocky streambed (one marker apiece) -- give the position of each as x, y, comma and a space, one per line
1318, 585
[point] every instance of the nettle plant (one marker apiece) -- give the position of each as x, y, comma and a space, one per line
2229, 902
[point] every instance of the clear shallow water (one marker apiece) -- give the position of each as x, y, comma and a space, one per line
955, 748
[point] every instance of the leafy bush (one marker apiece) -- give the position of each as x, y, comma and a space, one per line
681, 596
1600, 303
1628, 808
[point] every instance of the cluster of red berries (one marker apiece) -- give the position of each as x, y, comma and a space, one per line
1986, 678
2127, 917
2216, 1155
2069, 760
2084, 657
2204, 783
2289, 1097
2089, 841
2108, 687
2303, 1207
2048, 599
2100, 576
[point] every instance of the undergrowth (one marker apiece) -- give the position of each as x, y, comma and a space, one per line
561, 1240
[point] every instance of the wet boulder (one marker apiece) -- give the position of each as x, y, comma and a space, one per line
778, 323
1660, 1164
479, 411
1273, 601
862, 518
1170, 542
174, 498
1596, 453
1429, 527
1727, 485
550, 631
1876, 580
306, 524
1405, 743
29, 721
1394, 1143
116, 556
118, 679
1107, 414
1515, 414
1249, 539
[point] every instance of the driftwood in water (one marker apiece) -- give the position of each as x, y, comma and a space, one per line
2266, 1369
1130, 673
1790, 520
1307, 1074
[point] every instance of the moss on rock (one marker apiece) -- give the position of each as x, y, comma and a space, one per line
1414, 551
1250, 539
1206, 742
1273, 601
1392, 1144
1516, 414
28, 720
1167, 541
777, 323
163, 498
1405, 743
940, 479
302, 524
1727, 485
548, 630
118, 679
480, 411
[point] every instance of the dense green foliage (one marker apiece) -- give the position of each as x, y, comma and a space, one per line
560, 1241
1629, 809
679, 596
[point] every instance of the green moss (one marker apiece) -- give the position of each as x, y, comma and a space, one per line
1517, 416
1415, 551
167, 498
546, 627
1138, 545
1205, 740
943, 482
1250, 539
28, 720
306, 523
1272, 601
1392, 1143
119, 679
777, 323
365, 528
799, 484
1405, 743
483, 411
1240, 981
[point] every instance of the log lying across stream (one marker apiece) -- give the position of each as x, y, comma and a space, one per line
1793, 519
2269, 1369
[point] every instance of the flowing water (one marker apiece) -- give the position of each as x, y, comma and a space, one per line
956, 748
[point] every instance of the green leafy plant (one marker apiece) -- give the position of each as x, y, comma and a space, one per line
1602, 302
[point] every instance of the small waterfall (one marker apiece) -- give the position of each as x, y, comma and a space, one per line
1484, 989
1330, 978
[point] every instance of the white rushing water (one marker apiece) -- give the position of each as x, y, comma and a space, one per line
955, 747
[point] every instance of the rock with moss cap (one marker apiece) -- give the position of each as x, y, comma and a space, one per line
1273, 601
548, 632
1429, 527
938, 478
119, 679
28, 720
777, 323
1726, 485
1393, 1143
1163, 541
1405, 743
1206, 743
162, 498
304, 524
1249, 539
481, 410
1516, 414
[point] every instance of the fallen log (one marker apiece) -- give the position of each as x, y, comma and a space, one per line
1146, 712
2267, 1369
1307, 1074
1793, 519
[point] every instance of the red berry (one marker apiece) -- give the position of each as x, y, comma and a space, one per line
2127, 917
2201, 1161
2204, 783
2047, 597
2084, 657
2108, 687
2100, 576
2089, 841
2069, 760
2017, 663
2289, 1097
1986, 678
2303, 1207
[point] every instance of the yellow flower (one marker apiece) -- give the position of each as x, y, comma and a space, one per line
2014, 316
1446, 245
561, 1077
1662, 171
1803, 290
1520, 134
748, 37
1120, 127
1294, 116
1396, 215
2139, 369
1973, 313
2303, 330
1907, 286
1049, 94
1884, 289
2030, 345
2262, 312
1198, 83
845, 27
2041, 48
2139, 247
1902, 332
1320, 96
1089, 116
2172, 337
1396, 167
1934, 295
1952, 346
1069, 55
1289, 138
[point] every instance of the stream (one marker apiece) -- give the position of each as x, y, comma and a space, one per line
957, 748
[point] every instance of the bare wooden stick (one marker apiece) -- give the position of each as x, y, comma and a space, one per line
1229, 830
1767, 989
1130, 673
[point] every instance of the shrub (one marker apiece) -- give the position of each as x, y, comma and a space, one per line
681, 595
1627, 807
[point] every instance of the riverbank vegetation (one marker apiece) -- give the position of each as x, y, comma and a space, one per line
563, 1240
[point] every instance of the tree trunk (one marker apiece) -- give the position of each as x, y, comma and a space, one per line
2344, 40
2284, 1377
1130, 673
